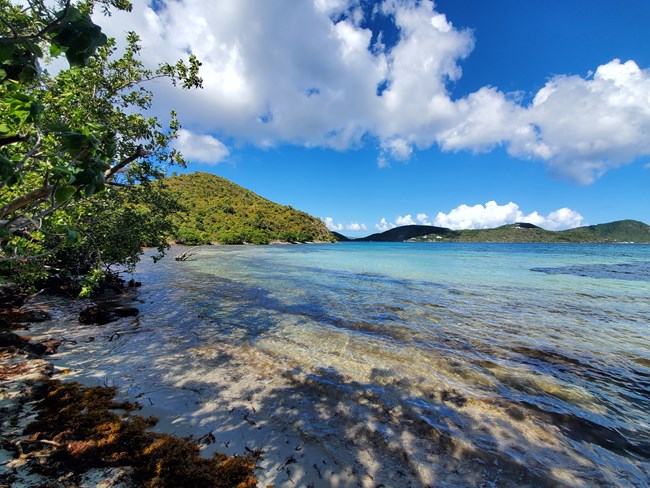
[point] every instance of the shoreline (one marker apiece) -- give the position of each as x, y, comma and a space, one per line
281, 396
60, 428
260, 410
231, 427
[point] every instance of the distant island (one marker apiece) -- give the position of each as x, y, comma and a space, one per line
621, 231
216, 210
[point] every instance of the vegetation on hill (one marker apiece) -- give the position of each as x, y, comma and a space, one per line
406, 232
217, 210
620, 231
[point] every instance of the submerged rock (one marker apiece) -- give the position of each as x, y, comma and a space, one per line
11, 340
126, 311
24, 316
95, 314
104, 313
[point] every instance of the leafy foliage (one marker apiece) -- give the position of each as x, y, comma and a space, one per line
217, 210
77, 155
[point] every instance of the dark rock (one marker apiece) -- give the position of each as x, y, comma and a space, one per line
134, 284
95, 314
4, 324
106, 312
9, 339
106, 293
51, 346
23, 316
55, 285
126, 311
36, 348
11, 296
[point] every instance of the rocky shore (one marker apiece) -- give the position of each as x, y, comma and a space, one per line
58, 433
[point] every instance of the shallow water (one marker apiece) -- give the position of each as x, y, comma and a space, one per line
502, 364
560, 332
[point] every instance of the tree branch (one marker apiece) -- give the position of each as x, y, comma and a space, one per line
26, 199
46, 190
119, 185
5, 141
43, 31
139, 153
29, 154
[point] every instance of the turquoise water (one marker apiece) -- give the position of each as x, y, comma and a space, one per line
533, 356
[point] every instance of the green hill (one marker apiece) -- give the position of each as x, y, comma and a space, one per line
340, 237
217, 210
407, 232
620, 231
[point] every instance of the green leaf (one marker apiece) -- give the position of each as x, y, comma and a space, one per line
6, 50
63, 193
78, 36
55, 50
72, 236
7, 171
35, 111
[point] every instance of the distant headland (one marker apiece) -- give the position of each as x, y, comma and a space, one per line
621, 231
216, 210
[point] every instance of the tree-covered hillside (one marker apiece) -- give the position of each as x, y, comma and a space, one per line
217, 210
620, 231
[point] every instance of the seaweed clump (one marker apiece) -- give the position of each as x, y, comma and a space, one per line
85, 430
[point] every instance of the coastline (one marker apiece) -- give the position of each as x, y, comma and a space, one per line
61, 428
262, 411
229, 425
246, 372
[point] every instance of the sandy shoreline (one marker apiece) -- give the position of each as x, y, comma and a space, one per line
231, 424
310, 427
260, 407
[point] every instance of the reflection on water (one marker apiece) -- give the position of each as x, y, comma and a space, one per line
535, 357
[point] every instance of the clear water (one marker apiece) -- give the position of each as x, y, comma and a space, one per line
531, 357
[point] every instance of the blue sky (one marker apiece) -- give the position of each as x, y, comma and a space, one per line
462, 113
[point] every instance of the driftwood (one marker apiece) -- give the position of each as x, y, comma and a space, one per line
184, 255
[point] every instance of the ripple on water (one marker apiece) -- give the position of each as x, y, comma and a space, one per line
547, 367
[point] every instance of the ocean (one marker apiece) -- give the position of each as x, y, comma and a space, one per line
406, 364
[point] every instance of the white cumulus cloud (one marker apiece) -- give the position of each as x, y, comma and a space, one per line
310, 73
355, 226
331, 225
405, 220
420, 219
338, 227
585, 127
384, 225
200, 148
494, 215
488, 216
